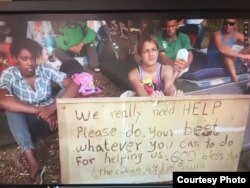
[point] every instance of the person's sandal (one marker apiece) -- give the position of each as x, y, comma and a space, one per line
38, 177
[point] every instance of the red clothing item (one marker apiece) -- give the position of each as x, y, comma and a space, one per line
9, 60
9, 57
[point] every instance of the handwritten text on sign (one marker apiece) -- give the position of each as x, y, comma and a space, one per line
139, 140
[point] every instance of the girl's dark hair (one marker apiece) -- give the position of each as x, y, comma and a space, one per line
143, 39
25, 43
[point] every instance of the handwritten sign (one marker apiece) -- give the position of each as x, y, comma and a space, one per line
139, 140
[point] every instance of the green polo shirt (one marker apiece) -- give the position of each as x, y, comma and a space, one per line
71, 36
170, 48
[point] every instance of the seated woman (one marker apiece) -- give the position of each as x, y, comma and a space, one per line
151, 78
220, 52
27, 88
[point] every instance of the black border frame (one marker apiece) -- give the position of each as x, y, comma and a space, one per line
129, 9
196, 8
118, 5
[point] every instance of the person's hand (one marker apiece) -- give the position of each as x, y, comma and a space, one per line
157, 94
52, 121
179, 65
246, 57
80, 46
76, 49
37, 110
46, 111
73, 49
178, 93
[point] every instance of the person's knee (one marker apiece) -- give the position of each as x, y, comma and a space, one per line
19, 128
227, 60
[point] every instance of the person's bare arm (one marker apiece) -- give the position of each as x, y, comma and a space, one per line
3, 48
70, 91
11, 104
76, 49
239, 38
52, 121
163, 59
190, 59
135, 83
167, 77
71, 88
225, 50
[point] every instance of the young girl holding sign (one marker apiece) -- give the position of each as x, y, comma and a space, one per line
151, 78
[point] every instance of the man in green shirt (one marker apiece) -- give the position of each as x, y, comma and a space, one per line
75, 40
172, 45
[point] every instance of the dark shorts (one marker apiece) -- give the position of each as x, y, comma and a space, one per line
216, 61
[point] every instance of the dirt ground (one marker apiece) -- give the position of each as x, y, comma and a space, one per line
14, 169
